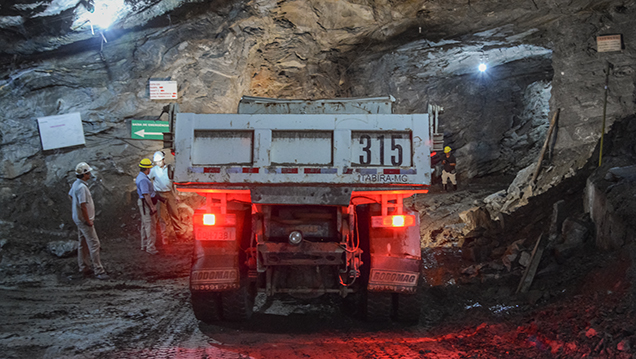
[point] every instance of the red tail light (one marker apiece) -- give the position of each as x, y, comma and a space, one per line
209, 219
393, 221
213, 219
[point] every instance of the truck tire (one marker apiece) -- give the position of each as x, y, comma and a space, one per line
353, 305
206, 306
238, 304
379, 306
408, 308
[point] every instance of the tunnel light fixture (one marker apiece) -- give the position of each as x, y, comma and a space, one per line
482, 67
89, 5
105, 12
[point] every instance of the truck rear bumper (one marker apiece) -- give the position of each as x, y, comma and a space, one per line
304, 254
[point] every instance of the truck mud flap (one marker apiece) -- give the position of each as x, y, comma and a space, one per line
395, 258
389, 274
213, 272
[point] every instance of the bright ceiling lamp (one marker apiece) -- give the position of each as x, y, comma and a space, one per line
105, 12
483, 60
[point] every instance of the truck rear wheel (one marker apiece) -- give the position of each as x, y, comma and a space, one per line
238, 304
379, 306
206, 306
353, 305
408, 308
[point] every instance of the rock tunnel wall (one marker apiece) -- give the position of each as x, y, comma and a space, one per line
610, 192
579, 80
495, 121
303, 49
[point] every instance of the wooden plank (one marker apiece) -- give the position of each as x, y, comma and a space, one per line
531, 270
545, 146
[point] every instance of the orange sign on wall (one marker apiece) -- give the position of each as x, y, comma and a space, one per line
609, 43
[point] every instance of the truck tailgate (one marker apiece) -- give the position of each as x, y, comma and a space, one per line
379, 151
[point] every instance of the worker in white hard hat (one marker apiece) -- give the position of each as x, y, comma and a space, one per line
449, 172
84, 217
147, 208
171, 225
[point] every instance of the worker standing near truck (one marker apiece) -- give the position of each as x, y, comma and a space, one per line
449, 171
83, 216
168, 213
147, 208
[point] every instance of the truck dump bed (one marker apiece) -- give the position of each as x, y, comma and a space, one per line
359, 152
366, 105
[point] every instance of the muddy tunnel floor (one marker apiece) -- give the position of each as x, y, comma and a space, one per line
580, 308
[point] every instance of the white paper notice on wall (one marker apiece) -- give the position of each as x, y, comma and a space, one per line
163, 90
61, 131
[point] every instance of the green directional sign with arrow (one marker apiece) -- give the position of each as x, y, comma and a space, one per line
149, 130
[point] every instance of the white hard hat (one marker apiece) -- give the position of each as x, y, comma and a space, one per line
159, 155
82, 168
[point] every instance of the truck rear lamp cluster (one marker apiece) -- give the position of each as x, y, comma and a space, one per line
394, 221
213, 219
209, 219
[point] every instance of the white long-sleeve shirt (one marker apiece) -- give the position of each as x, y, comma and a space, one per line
160, 180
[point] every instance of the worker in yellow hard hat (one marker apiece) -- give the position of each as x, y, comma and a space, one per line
147, 207
449, 171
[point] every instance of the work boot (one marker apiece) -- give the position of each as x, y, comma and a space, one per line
81, 275
102, 276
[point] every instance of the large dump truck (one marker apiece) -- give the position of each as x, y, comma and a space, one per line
304, 198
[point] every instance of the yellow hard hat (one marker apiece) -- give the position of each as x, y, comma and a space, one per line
145, 163
447, 149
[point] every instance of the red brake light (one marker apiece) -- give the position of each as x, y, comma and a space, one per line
393, 221
209, 219
214, 219
433, 154
397, 221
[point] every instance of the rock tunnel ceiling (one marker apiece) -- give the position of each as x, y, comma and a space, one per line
541, 56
